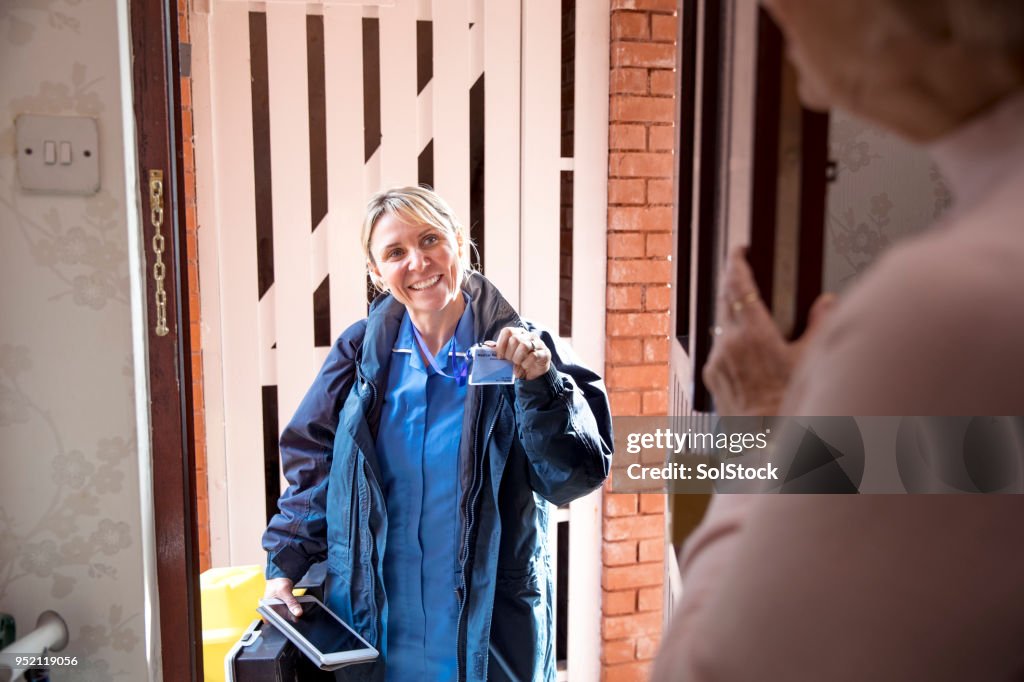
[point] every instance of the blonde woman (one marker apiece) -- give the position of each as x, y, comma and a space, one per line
429, 496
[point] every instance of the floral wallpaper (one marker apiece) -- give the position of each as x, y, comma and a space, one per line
70, 529
885, 189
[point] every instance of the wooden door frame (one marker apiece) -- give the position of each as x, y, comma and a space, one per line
698, 189
157, 102
701, 197
813, 163
702, 201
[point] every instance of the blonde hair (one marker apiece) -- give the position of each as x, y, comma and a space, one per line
417, 206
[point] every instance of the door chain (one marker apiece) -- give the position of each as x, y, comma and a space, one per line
156, 217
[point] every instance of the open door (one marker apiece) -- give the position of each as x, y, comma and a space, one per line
154, 31
752, 170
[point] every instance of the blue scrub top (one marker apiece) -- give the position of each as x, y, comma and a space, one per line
418, 444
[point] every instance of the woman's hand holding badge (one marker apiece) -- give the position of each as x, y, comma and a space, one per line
529, 356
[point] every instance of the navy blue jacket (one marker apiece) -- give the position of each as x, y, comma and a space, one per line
549, 438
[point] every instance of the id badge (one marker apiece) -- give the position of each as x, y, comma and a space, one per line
487, 368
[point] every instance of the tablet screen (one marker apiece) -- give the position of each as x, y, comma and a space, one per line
321, 629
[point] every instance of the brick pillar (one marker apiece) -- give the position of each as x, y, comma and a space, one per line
642, 88
192, 264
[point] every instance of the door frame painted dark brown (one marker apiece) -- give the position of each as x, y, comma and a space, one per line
701, 197
701, 201
157, 101
698, 198
813, 170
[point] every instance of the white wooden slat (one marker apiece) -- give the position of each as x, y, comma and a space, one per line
209, 292
289, 158
398, 94
451, 98
590, 181
552, 547
590, 184
476, 44
425, 117
541, 104
584, 613
266, 317
590, 227
318, 254
231, 102
343, 63
501, 23
372, 175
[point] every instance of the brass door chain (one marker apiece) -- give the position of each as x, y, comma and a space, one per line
156, 217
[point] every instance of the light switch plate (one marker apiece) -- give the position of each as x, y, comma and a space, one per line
80, 133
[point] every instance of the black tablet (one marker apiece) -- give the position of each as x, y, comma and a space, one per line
324, 637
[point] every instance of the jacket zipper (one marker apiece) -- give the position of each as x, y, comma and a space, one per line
474, 487
373, 392
366, 411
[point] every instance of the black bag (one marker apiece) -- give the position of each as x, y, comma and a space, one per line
263, 654
314, 580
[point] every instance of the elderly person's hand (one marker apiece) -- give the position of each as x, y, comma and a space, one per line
527, 353
750, 363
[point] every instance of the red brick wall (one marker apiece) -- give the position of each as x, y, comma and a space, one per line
192, 257
640, 137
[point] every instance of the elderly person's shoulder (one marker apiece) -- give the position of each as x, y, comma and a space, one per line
933, 328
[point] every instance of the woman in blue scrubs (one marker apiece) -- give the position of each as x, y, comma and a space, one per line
429, 496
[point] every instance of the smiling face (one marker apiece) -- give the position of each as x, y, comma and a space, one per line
418, 263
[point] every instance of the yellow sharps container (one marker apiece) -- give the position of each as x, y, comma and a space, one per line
229, 599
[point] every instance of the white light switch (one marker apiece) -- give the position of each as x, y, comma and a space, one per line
58, 154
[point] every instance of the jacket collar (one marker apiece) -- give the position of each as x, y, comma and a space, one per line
491, 313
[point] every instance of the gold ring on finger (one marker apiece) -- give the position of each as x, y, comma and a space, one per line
742, 302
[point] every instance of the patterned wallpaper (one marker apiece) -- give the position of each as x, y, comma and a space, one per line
70, 535
886, 189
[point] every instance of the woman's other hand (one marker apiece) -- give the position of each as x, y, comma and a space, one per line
750, 364
529, 356
281, 588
